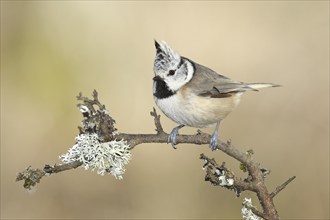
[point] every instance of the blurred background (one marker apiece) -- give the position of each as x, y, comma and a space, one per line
52, 50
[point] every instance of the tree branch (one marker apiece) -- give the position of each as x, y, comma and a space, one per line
63, 167
98, 121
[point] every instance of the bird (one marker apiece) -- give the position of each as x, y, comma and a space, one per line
194, 95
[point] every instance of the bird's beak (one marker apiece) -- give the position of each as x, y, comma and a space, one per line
157, 78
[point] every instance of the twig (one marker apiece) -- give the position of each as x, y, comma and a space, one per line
63, 167
90, 102
218, 175
158, 125
281, 187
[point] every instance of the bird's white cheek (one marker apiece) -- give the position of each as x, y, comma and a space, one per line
190, 71
175, 85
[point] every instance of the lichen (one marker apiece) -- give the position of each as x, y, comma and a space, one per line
108, 157
246, 210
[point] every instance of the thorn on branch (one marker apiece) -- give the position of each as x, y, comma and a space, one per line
281, 187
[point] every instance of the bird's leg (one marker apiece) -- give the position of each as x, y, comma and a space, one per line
172, 136
215, 136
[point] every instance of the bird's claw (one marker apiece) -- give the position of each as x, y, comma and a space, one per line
172, 136
214, 141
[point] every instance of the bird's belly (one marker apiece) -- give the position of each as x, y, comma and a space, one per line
197, 111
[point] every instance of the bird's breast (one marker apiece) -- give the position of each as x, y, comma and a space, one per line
187, 108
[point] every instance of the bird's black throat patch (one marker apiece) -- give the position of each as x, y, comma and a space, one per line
161, 89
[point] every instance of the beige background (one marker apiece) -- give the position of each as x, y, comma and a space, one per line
51, 50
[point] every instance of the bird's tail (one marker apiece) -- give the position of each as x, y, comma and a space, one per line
257, 86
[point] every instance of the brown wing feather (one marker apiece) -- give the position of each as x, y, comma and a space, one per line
208, 83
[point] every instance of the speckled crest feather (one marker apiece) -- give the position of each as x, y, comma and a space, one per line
166, 58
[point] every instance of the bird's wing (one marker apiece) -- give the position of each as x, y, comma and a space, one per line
208, 83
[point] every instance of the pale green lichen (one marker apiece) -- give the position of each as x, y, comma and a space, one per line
30, 176
246, 210
109, 157
224, 178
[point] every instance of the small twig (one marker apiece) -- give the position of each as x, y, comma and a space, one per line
217, 173
208, 160
96, 100
158, 125
33, 176
281, 187
89, 102
62, 167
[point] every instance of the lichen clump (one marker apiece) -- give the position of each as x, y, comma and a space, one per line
108, 157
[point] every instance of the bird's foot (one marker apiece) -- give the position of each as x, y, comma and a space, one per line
172, 136
214, 141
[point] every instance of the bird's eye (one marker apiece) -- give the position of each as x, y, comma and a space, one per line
171, 73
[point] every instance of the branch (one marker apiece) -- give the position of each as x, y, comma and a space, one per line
222, 176
63, 167
99, 133
33, 176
